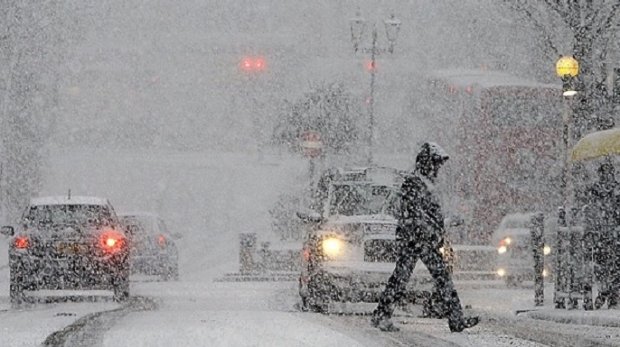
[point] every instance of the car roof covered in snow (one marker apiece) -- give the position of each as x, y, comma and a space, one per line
486, 79
358, 219
66, 200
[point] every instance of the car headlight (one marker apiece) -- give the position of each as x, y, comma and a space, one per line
501, 249
501, 272
332, 247
546, 250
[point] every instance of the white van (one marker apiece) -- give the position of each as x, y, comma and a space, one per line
515, 259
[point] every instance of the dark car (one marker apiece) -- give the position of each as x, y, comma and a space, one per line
68, 243
153, 250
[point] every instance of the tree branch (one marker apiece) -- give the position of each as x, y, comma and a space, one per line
521, 7
574, 14
610, 19
554, 5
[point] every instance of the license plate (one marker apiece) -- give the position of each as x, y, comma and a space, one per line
373, 229
70, 248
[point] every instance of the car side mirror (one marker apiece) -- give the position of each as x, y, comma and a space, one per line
309, 217
7, 230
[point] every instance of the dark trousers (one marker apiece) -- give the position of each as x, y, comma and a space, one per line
408, 255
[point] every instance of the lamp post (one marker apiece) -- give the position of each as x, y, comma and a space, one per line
358, 26
567, 68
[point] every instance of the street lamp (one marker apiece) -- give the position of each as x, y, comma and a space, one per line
358, 26
392, 28
567, 68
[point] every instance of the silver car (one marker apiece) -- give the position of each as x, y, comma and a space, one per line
153, 249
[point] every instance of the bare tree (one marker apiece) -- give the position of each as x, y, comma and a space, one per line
328, 109
590, 27
33, 37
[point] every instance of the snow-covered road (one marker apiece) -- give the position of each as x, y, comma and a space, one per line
226, 314
30, 326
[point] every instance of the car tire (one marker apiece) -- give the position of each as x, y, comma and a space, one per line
16, 288
303, 290
121, 289
304, 306
599, 302
16, 294
319, 295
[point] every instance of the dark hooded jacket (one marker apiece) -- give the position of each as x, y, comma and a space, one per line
421, 218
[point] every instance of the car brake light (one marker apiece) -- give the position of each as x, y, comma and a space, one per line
161, 240
112, 241
22, 242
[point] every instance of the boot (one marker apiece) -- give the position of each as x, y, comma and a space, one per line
383, 323
464, 323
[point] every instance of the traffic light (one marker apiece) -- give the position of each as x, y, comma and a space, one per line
252, 64
370, 65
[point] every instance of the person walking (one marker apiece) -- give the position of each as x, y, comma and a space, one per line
420, 235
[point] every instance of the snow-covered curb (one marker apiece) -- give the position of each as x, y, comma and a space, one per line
554, 334
603, 318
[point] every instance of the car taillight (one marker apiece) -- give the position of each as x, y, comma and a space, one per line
161, 241
22, 242
112, 241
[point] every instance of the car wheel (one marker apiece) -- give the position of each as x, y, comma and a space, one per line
16, 288
559, 303
16, 294
319, 297
303, 294
599, 302
305, 306
121, 289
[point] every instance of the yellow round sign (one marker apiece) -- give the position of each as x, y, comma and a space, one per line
567, 67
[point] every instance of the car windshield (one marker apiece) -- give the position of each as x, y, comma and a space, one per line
139, 224
520, 222
51, 215
362, 199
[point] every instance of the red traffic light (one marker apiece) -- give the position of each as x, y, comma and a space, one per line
253, 64
370, 65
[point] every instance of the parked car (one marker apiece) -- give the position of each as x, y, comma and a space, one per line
153, 249
515, 259
68, 243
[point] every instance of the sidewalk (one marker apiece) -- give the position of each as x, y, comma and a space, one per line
513, 312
